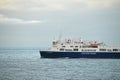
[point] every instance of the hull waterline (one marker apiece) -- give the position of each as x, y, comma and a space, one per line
58, 54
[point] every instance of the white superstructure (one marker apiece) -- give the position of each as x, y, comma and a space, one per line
82, 46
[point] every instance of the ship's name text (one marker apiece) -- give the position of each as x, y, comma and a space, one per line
88, 53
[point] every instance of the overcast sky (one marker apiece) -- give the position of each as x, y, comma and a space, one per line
35, 23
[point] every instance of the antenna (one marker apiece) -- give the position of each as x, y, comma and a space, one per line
60, 35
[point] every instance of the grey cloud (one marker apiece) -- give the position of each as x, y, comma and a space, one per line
55, 5
4, 19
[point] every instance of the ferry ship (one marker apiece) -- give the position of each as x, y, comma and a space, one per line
70, 48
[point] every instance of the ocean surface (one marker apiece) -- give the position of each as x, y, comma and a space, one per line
18, 64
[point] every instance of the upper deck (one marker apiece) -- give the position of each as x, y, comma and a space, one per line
83, 46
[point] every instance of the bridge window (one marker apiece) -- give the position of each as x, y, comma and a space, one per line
75, 49
76, 46
89, 50
61, 43
85, 46
93, 46
115, 49
102, 49
71, 46
54, 43
63, 46
68, 49
61, 49
109, 50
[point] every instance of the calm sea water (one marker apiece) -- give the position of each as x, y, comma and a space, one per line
27, 65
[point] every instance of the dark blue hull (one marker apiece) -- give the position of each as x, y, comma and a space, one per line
55, 54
